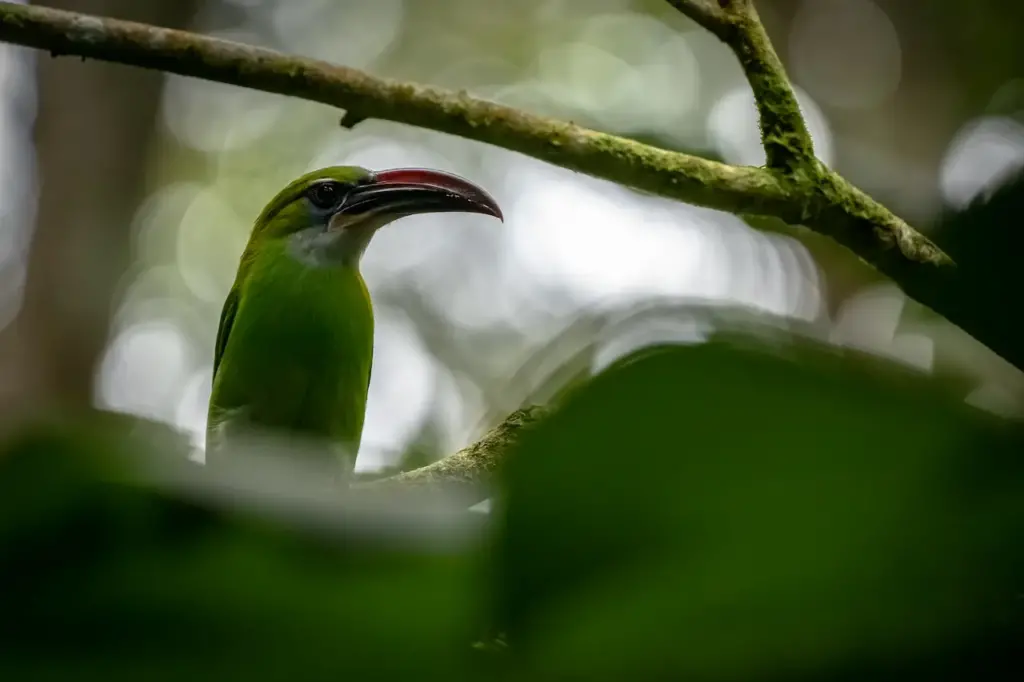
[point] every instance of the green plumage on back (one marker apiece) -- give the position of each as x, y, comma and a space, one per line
294, 348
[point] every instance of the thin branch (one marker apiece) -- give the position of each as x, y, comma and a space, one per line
836, 208
784, 135
705, 13
465, 474
688, 178
736, 189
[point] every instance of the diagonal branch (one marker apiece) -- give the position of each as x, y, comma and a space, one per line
680, 176
787, 142
736, 189
841, 210
463, 476
705, 13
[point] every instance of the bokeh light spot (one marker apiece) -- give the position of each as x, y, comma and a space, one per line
981, 154
845, 52
144, 370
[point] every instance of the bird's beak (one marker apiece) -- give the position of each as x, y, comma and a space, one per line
408, 191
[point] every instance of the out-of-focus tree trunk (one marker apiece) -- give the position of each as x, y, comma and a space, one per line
92, 137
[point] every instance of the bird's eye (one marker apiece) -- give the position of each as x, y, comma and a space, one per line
325, 194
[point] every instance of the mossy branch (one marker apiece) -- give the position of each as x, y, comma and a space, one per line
794, 186
736, 189
463, 476
784, 135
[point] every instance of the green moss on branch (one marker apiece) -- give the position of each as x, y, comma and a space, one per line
679, 176
687, 178
787, 142
465, 474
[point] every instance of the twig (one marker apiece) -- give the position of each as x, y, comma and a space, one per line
784, 135
835, 207
787, 143
464, 475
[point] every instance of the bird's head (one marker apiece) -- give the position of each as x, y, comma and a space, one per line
328, 216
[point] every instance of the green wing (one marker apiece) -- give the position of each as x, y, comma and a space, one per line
227, 318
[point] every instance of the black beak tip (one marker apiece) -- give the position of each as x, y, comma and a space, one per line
492, 209
475, 200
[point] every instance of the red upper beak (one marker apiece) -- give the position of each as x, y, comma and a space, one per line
408, 191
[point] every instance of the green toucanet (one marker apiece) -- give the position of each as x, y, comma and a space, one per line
295, 343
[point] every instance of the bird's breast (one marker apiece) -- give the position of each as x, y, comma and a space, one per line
316, 308
301, 346
297, 357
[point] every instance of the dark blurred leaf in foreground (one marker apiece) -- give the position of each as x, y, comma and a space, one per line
755, 509
107, 578
986, 240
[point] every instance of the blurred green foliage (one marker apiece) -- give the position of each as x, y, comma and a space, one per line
758, 507
761, 506
108, 577
985, 240
745, 510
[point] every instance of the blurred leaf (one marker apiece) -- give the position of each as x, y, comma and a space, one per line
600, 333
760, 508
106, 577
986, 240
